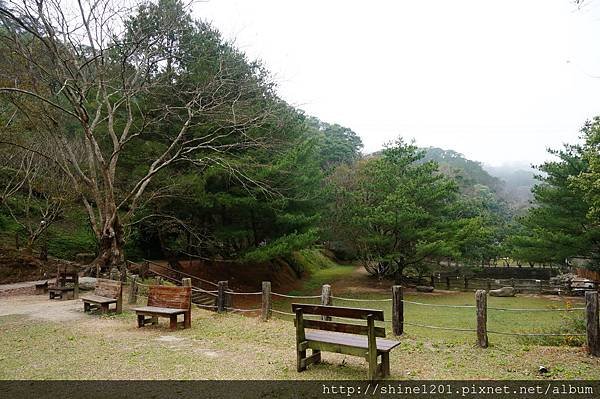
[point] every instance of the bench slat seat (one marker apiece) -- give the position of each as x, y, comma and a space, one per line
61, 289
158, 310
355, 341
98, 299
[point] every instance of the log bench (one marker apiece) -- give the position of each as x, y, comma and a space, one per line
353, 339
105, 293
166, 301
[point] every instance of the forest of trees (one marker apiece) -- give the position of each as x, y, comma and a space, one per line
164, 140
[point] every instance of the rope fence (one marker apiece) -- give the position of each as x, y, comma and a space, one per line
224, 296
360, 300
244, 293
243, 310
296, 296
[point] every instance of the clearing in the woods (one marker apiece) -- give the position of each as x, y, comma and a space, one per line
42, 339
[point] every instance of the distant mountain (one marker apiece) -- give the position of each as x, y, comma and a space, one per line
468, 173
511, 182
518, 181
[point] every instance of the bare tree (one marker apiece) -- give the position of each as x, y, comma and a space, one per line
102, 83
34, 192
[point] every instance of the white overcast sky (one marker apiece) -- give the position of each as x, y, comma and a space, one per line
498, 81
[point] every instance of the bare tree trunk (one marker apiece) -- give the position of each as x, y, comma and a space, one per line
110, 253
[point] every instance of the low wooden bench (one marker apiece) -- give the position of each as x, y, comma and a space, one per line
352, 339
166, 301
41, 288
61, 292
65, 274
105, 293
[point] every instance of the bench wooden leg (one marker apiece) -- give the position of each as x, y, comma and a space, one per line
372, 359
119, 308
187, 319
141, 319
316, 354
173, 324
385, 364
104, 308
300, 356
86, 307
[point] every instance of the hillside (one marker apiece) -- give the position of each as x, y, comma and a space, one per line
518, 182
467, 172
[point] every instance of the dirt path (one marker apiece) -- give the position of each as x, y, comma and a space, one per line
40, 307
359, 281
22, 288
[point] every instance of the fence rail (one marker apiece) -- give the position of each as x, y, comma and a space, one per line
224, 303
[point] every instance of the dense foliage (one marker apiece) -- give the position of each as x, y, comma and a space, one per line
161, 139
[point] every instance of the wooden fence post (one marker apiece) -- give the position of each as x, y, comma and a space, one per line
489, 284
397, 310
144, 270
593, 328
187, 282
133, 291
432, 281
266, 300
448, 283
76, 289
221, 299
481, 300
466, 283
326, 299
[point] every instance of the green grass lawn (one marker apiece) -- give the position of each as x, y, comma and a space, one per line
232, 346
465, 318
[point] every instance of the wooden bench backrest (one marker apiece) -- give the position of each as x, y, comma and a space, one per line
173, 297
336, 311
108, 288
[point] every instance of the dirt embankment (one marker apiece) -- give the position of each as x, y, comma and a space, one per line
243, 276
17, 266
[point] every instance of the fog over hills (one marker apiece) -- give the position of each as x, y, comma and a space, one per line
518, 180
511, 181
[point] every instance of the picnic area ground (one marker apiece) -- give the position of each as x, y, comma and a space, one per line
42, 339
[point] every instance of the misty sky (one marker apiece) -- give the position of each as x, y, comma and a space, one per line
497, 81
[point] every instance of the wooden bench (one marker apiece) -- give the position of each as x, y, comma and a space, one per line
41, 288
65, 274
105, 293
352, 339
61, 292
166, 301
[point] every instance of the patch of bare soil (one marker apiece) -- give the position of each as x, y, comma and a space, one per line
242, 276
40, 307
17, 266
